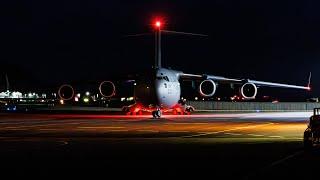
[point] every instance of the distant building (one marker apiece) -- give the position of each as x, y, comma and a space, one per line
314, 99
8, 94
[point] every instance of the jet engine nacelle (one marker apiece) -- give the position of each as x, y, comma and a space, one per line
207, 88
249, 91
107, 89
66, 92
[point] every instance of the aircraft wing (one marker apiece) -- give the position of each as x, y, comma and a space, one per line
221, 79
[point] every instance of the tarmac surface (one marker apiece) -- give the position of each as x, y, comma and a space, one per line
222, 145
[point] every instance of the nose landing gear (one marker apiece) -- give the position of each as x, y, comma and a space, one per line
157, 113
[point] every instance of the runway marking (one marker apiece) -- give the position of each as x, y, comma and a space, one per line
39, 122
101, 127
44, 129
275, 163
227, 130
17, 129
63, 143
185, 123
286, 158
298, 139
118, 130
256, 135
39, 125
233, 134
276, 136
148, 131
176, 131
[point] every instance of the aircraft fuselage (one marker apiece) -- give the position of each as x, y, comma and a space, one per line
161, 89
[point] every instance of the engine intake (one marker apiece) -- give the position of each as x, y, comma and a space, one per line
66, 92
207, 88
107, 89
249, 91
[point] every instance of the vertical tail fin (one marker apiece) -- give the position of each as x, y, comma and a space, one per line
158, 48
7, 83
309, 81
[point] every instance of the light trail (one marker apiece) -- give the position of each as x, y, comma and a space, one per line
227, 130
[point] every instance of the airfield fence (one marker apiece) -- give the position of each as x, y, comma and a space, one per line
253, 106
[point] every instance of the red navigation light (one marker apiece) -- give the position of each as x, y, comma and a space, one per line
158, 24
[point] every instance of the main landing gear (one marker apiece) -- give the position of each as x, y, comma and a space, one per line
186, 110
132, 110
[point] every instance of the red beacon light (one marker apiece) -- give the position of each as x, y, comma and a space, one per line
157, 24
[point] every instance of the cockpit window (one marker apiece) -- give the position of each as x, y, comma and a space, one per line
163, 77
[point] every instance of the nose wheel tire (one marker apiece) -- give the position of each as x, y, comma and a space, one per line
156, 114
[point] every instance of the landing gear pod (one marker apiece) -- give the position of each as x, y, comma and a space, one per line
66, 92
107, 89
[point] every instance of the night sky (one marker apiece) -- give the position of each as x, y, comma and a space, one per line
44, 43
